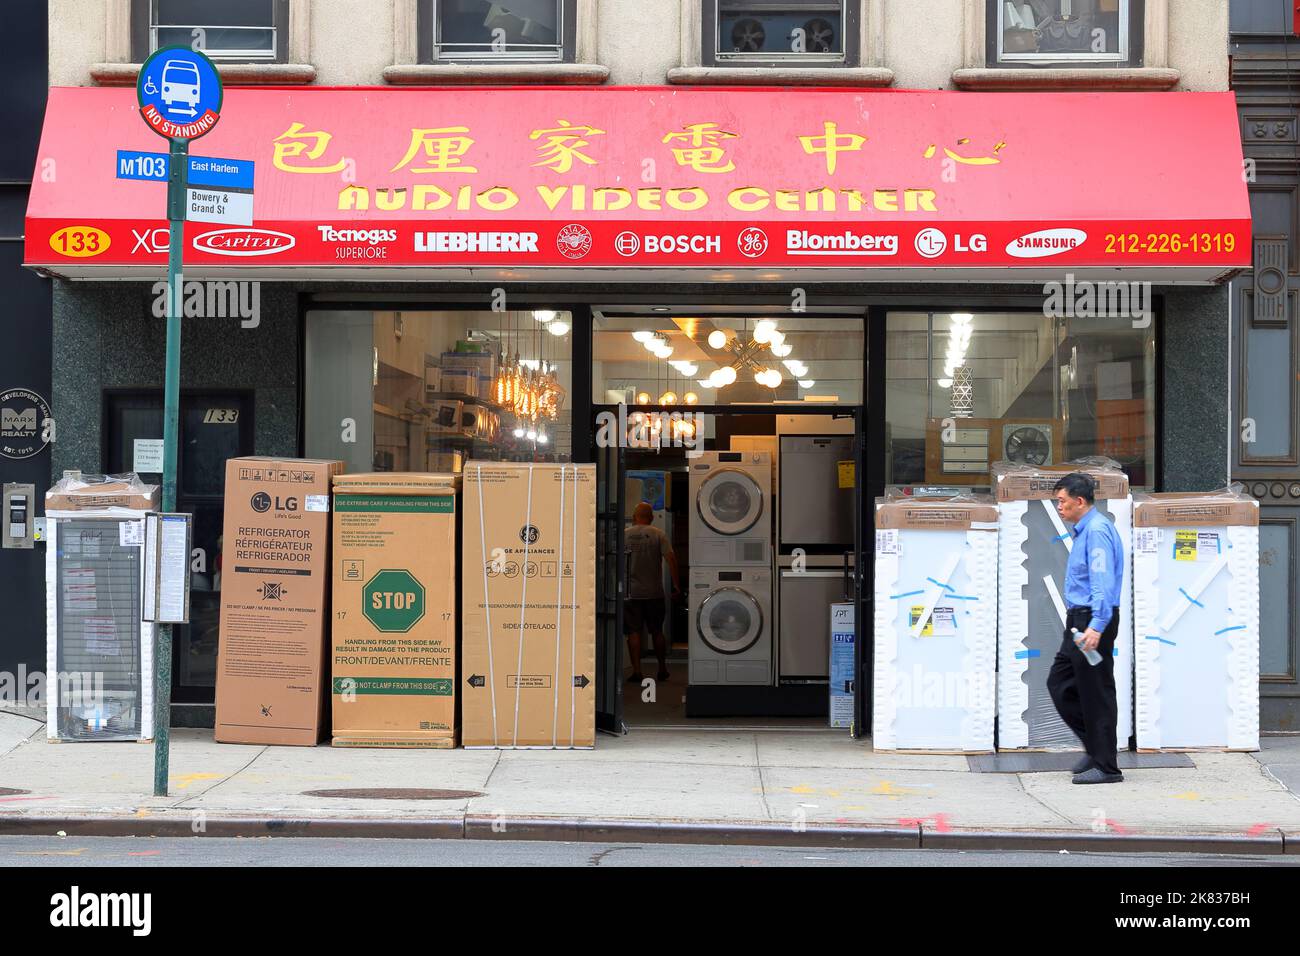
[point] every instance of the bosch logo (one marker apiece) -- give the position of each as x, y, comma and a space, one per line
243, 242
574, 241
627, 243
931, 243
529, 534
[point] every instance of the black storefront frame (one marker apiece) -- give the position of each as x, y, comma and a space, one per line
873, 306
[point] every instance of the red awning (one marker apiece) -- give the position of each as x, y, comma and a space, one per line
622, 183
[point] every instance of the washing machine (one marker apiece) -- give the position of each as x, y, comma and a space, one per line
731, 509
730, 626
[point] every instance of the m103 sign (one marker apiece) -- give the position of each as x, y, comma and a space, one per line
691, 178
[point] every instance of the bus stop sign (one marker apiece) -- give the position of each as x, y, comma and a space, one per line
180, 93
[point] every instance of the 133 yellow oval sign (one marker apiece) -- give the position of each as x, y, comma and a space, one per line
79, 242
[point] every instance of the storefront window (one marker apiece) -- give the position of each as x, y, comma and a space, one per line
726, 359
966, 389
428, 391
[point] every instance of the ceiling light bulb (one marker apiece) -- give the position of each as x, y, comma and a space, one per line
544, 316
541, 438
716, 379
668, 398
643, 335
806, 383
532, 435
761, 376
782, 350
727, 374
944, 382
717, 339
776, 338
773, 378
643, 398
686, 368
690, 398
763, 333
558, 328
706, 382
962, 318
519, 431
664, 351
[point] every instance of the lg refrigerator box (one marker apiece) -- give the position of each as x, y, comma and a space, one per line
528, 640
1034, 545
1196, 612
935, 624
393, 670
841, 657
271, 667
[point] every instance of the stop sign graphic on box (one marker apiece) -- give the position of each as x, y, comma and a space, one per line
393, 601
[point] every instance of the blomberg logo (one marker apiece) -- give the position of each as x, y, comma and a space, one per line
131, 910
1045, 242
243, 242
476, 242
800, 242
370, 236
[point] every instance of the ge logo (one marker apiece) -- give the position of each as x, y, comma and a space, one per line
261, 502
752, 242
931, 243
529, 534
627, 243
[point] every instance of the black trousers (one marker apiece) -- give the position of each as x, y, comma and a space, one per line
1084, 695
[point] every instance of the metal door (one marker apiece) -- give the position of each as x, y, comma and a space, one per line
611, 472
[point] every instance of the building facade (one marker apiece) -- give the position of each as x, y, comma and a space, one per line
342, 341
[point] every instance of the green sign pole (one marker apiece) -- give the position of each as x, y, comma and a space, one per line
179, 160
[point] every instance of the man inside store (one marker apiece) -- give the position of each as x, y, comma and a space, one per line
1083, 692
643, 610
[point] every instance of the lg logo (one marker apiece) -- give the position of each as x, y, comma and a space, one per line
932, 243
262, 503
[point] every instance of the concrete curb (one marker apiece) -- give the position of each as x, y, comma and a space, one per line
590, 830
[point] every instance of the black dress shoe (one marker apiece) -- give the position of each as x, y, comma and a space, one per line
1083, 765
1095, 775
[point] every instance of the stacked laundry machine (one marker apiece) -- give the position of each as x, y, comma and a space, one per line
730, 592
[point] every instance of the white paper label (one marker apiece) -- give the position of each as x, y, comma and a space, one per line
318, 503
147, 457
173, 564
130, 534
1146, 540
100, 635
887, 541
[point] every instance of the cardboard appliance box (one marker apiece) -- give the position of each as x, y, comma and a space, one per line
528, 640
271, 669
393, 667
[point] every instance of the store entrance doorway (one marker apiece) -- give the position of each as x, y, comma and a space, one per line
762, 507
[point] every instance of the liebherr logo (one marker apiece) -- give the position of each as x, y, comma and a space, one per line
476, 242
76, 909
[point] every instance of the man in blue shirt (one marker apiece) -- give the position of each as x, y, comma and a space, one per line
1084, 693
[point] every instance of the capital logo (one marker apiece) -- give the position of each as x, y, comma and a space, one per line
261, 502
1045, 242
931, 243
243, 242
574, 241
627, 243
752, 242
529, 534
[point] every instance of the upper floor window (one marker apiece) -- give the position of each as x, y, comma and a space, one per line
511, 31
788, 33
233, 30
1065, 32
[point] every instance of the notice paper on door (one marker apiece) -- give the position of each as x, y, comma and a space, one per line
942, 623
147, 456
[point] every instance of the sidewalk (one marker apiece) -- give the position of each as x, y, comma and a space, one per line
806, 788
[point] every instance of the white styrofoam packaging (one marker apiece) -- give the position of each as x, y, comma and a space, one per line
1034, 544
841, 666
1196, 614
935, 627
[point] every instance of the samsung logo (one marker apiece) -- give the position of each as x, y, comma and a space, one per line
1045, 242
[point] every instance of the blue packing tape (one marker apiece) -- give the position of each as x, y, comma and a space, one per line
946, 587
1235, 627
1152, 637
895, 597
1190, 598
1032, 652
961, 597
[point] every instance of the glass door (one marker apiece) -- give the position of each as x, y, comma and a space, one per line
611, 572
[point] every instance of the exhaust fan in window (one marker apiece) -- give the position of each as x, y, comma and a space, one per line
1027, 444
748, 36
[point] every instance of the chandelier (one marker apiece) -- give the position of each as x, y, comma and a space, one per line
530, 388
